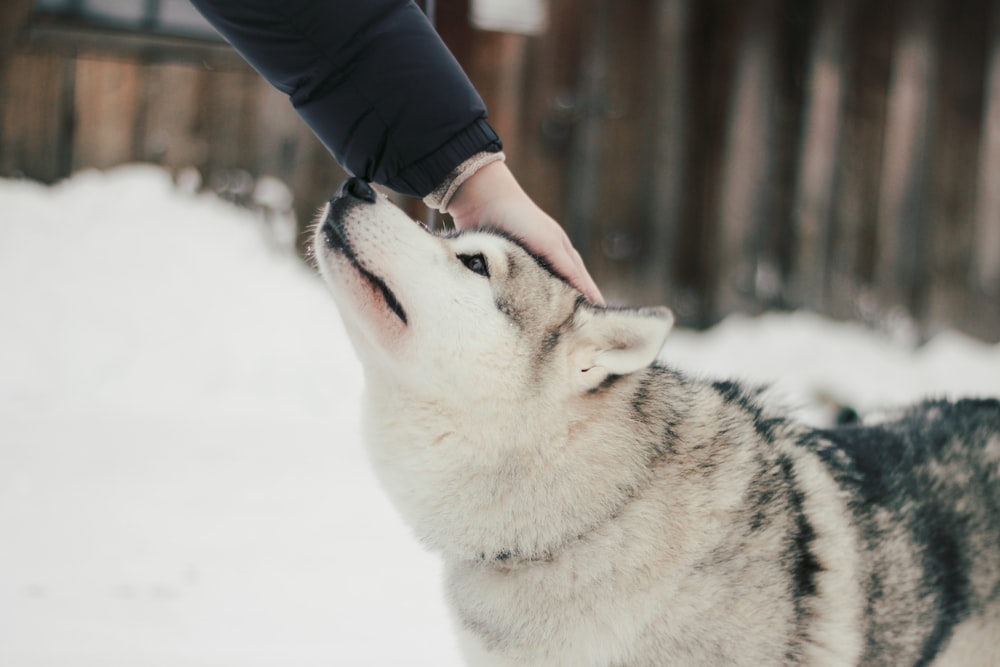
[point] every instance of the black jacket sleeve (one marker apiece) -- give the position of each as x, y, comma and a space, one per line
371, 78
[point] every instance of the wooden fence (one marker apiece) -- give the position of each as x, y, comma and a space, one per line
713, 155
79, 97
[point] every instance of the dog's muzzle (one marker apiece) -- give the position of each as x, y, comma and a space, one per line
352, 192
356, 192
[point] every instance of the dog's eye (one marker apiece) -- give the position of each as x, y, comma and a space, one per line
476, 264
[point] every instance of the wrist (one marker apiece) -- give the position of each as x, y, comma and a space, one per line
443, 196
480, 195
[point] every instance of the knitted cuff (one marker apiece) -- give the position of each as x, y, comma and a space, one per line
441, 196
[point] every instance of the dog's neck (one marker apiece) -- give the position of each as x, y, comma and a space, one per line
508, 493
505, 494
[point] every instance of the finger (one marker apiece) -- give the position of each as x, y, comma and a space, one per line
579, 277
568, 263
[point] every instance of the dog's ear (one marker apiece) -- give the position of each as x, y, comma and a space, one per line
616, 342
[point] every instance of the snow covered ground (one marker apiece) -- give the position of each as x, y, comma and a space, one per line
181, 475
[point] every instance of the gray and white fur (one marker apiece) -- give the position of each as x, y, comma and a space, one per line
592, 506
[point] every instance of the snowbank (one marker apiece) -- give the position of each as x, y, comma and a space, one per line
181, 475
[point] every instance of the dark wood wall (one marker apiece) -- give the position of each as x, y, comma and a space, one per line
713, 155
79, 97
837, 155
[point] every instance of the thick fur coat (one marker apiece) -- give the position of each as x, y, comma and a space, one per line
595, 507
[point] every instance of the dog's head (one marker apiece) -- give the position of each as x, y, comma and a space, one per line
476, 352
473, 311
472, 314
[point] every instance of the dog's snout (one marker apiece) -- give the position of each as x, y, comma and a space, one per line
357, 188
352, 192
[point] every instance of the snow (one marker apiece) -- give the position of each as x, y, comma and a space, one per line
816, 365
182, 480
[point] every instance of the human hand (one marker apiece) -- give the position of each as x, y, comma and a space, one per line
492, 197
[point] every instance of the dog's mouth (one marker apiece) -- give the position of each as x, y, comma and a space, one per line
380, 287
337, 241
334, 235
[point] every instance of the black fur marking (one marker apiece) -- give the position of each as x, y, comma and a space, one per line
872, 452
947, 574
736, 394
654, 376
504, 306
761, 496
940, 533
892, 465
640, 398
551, 340
730, 391
606, 384
670, 435
807, 566
802, 561
390, 299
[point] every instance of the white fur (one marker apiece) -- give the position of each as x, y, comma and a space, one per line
510, 424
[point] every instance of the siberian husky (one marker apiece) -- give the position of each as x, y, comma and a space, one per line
594, 507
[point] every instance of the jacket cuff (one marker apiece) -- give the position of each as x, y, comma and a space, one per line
428, 174
442, 194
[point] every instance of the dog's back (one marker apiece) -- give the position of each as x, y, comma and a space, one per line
925, 490
864, 545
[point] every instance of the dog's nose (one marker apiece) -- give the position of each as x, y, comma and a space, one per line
357, 188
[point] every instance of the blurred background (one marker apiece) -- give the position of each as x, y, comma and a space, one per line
717, 156
182, 476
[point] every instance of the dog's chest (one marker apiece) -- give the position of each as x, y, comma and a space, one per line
554, 614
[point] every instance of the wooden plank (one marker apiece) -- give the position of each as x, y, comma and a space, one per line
715, 39
951, 194
107, 104
279, 134
168, 121
37, 117
747, 162
667, 172
818, 158
553, 63
900, 279
13, 17
497, 66
621, 225
852, 263
286, 148
585, 165
228, 120
986, 255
